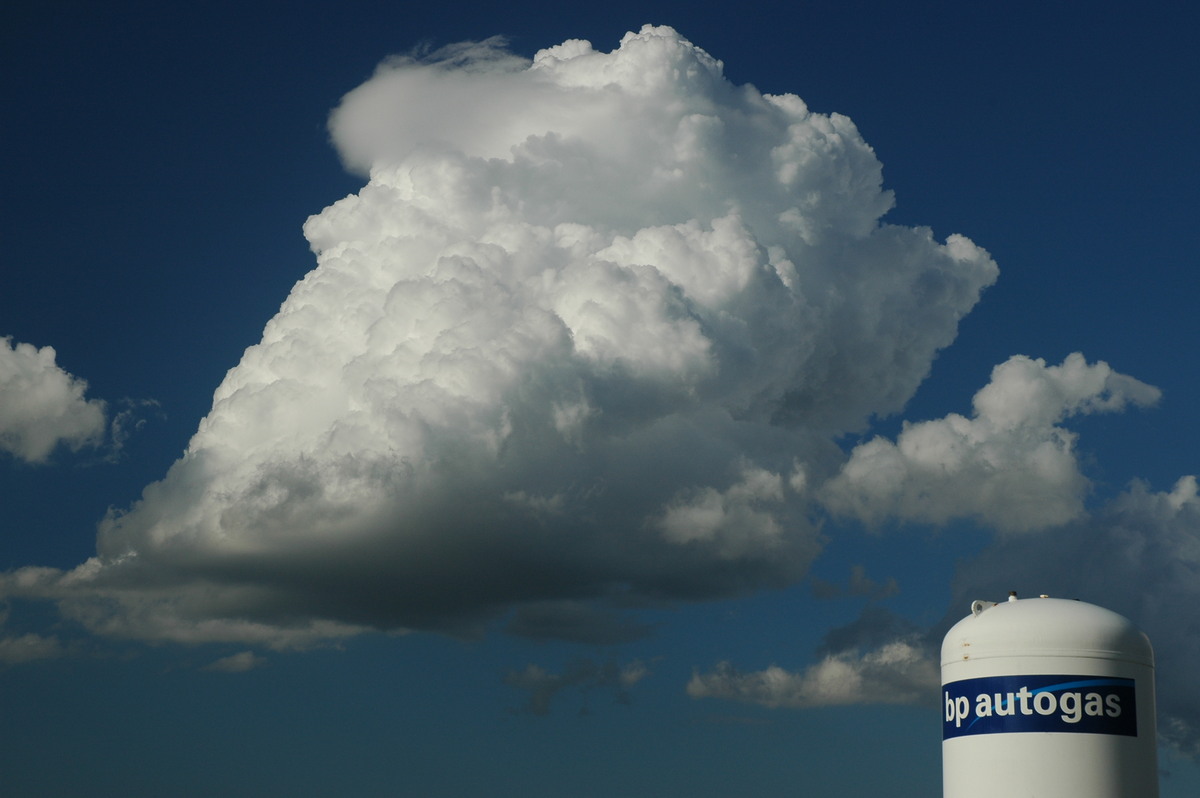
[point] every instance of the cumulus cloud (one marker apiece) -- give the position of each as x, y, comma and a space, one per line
43, 406
1010, 466
588, 335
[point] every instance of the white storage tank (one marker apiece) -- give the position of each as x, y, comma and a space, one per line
1047, 698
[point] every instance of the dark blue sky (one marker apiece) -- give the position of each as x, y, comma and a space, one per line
158, 165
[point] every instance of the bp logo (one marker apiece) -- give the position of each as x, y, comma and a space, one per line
1042, 703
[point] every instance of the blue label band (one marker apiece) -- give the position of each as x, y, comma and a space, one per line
1041, 703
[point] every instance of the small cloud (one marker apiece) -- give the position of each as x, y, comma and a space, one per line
895, 673
42, 406
859, 586
880, 658
733, 522
583, 675
128, 421
237, 663
28, 648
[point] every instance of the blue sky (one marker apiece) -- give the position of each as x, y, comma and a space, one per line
543, 610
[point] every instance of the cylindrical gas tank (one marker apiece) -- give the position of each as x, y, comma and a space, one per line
1047, 698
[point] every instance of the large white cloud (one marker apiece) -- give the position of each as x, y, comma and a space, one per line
1011, 466
42, 406
588, 332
